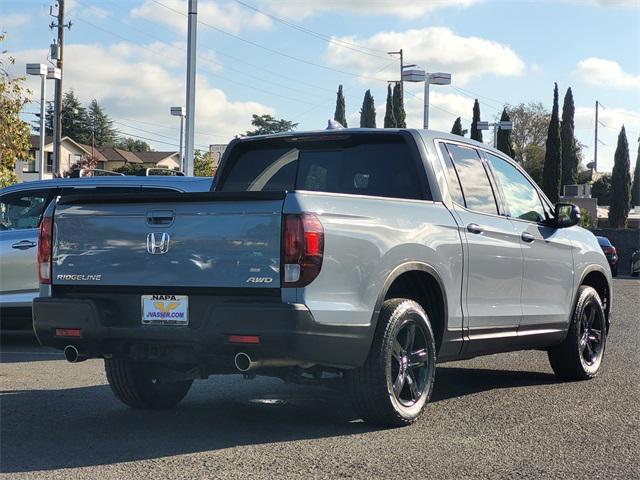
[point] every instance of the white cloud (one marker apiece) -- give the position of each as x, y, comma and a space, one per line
130, 86
436, 48
13, 20
228, 16
601, 72
611, 3
401, 8
612, 120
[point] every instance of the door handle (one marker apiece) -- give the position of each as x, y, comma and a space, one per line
24, 245
527, 237
475, 228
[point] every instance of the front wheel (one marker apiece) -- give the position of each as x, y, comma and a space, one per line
135, 385
396, 381
579, 357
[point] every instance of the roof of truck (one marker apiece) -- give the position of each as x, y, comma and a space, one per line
425, 134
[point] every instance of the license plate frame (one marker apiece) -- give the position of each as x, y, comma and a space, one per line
164, 310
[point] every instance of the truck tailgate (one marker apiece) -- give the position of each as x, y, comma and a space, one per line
178, 240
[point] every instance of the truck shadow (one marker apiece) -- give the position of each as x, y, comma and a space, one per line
86, 426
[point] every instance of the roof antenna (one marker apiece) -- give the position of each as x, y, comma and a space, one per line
334, 125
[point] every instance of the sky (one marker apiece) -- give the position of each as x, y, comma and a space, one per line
287, 57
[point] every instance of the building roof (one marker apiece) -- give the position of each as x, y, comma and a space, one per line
154, 157
109, 154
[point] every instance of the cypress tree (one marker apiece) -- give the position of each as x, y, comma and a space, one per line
457, 127
503, 142
398, 107
475, 133
569, 150
340, 115
102, 126
552, 171
368, 111
620, 183
635, 188
389, 117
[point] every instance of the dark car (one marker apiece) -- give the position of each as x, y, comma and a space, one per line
611, 254
635, 263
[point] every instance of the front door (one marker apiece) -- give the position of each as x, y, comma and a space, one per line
20, 215
547, 283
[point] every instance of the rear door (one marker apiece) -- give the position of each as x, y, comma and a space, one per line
494, 263
547, 284
20, 214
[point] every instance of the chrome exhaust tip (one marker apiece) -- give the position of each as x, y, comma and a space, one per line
242, 362
72, 354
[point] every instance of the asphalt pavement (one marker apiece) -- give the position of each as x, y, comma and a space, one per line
503, 416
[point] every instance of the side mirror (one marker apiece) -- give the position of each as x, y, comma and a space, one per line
566, 215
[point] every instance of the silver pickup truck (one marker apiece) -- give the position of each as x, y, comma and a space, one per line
356, 256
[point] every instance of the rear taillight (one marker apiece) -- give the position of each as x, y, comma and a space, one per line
44, 250
302, 249
610, 250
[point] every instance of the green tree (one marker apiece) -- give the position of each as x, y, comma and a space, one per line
620, 183
129, 169
569, 148
398, 107
504, 136
101, 125
75, 120
132, 145
457, 128
531, 121
552, 173
586, 220
368, 111
635, 187
14, 132
340, 115
475, 133
202, 164
534, 165
267, 124
601, 190
389, 116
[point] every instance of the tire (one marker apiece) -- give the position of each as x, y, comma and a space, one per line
614, 271
396, 380
135, 386
580, 355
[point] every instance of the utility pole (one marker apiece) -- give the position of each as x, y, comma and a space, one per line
191, 86
400, 52
57, 120
595, 142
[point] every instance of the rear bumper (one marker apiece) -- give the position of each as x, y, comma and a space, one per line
285, 331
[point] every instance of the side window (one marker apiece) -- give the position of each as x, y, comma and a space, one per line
476, 189
522, 198
452, 177
20, 211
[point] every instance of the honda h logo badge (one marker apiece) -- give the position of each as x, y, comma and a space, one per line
158, 243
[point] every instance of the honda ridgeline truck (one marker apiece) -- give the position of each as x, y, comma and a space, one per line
366, 255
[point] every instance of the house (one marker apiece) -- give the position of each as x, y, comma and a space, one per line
72, 152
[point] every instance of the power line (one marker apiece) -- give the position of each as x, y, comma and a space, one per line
321, 36
271, 50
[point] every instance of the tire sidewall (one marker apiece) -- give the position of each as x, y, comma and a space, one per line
588, 297
404, 313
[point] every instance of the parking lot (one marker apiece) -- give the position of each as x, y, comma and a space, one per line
501, 416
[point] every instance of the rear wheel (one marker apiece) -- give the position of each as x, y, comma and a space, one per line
396, 380
614, 271
579, 357
136, 386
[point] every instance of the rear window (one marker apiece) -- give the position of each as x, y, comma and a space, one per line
362, 165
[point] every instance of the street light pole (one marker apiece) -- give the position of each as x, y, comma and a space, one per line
191, 87
428, 79
179, 112
40, 69
496, 127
